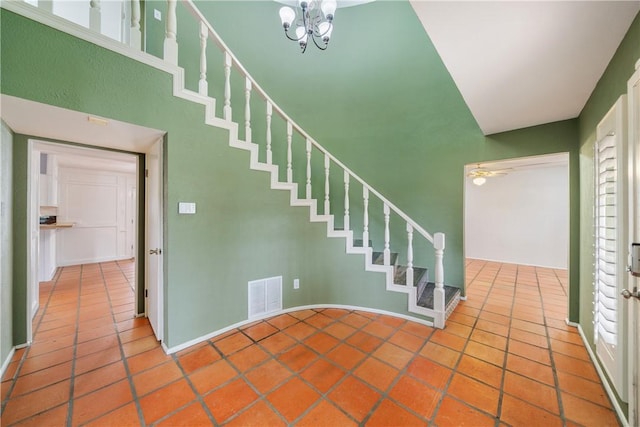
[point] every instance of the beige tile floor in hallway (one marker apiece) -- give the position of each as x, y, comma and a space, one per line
506, 357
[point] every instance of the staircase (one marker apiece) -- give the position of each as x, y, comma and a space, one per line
432, 299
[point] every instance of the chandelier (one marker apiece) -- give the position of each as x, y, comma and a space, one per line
313, 20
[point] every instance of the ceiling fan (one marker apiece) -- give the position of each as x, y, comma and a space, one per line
480, 174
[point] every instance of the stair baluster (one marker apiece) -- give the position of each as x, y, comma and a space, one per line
346, 200
203, 86
438, 293
289, 154
327, 163
308, 186
135, 34
387, 249
247, 110
365, 233
95, 18
269, 114
170, 41
409, 281
227, 86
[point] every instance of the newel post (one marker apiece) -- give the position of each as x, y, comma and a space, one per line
170, 40
438, 293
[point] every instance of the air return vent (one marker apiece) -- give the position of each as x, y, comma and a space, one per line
265, 296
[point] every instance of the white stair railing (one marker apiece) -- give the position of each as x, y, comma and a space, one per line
437, 240
206, 33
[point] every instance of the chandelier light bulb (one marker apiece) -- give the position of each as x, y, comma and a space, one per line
480, 180
325, 30
329, 9
301, 34
287, 15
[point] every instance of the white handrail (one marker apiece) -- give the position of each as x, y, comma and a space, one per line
256, 87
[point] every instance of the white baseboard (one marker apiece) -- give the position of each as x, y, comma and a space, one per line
5, 363
605, 383
170, 350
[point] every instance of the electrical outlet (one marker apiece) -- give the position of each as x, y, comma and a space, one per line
157, 14
296, 283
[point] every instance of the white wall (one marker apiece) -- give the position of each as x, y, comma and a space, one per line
97, 203
522, 217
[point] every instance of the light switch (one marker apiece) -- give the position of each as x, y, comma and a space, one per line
186, 208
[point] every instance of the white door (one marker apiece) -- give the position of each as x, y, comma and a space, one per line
33, 285
153, 250
611, 246
633, 96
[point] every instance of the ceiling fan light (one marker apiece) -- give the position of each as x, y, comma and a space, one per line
479, 180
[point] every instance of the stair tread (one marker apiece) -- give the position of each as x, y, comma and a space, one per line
426, 299
378, 258
419, 275
357, 243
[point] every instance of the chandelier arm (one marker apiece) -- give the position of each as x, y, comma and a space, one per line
286, 33
313, 36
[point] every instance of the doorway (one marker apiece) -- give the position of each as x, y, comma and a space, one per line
516, 211
57, 124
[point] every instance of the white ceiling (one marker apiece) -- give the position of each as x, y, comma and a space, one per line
524, 63
46, 121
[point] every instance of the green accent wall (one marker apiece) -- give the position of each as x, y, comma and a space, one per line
20, 235
388, 109
383, 103
243, 231
611, 86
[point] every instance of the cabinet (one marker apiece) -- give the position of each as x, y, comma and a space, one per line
47, 254
48, 180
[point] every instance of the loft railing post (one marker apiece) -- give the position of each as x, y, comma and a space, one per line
387, 248
438, 293
95, 16
308, 187
203, 85
289, 154
170, 40
247, 110
269, 114
409, 281
365, 232
227, 86
346, 201
327, 165
135, 34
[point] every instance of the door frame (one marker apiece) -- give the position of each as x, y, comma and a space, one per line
153, 240
633, 112
32, 261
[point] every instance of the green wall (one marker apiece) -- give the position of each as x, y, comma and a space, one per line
404, 128
611, 86
6, 234
382, 102
243, 231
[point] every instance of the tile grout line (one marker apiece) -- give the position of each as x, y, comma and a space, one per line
25, 354
75, 350
556, 380
136, 400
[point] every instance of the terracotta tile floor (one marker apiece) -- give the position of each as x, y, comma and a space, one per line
506, 357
